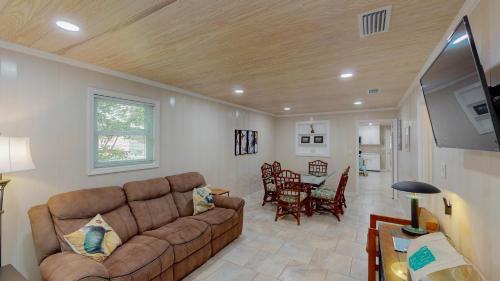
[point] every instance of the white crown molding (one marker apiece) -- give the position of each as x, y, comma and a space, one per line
337, 112
467, 8
60, 59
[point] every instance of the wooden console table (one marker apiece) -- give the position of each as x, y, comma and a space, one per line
220, 191
392, 264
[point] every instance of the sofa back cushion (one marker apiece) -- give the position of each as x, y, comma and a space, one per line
44, 234
72, 210
151, 202
182, 186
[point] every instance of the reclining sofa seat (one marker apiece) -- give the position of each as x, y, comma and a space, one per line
154, 208
140, 257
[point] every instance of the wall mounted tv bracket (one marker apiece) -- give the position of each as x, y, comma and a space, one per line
495, 95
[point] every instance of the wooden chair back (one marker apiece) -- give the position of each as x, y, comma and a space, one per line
288, 184
340, 189
266, 171
318, 168
276, 168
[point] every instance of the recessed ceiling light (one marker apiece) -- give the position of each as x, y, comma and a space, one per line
67, 25
239, 91
460, 39
287, 108
358, 102
370, 123
346, 75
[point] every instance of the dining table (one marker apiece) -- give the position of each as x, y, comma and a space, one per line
315, 180
309, 181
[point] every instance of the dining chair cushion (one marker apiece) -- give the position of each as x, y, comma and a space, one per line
271, 187
293, 198
323, 193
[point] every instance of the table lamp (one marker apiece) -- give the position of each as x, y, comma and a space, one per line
15, 156
415, 187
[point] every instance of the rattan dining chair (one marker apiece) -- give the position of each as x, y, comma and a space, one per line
330, 200
289, 195
276, 168
318, 168
268, 183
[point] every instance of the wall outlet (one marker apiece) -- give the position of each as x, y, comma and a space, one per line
443, 170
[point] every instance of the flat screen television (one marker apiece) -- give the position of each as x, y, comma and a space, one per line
458, 99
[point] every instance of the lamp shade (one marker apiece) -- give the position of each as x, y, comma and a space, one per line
415, 187
15, 155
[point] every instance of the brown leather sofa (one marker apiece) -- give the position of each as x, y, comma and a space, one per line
162, 240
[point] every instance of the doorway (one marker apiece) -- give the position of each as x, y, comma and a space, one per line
376, 153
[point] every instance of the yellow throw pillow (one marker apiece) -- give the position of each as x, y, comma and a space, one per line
96, 240
202, 200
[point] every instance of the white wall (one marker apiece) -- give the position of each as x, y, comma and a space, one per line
343, 143
46, 101
472, 181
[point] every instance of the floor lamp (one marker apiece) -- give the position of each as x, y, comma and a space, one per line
15, 156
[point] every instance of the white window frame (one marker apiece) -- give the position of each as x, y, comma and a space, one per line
91, 170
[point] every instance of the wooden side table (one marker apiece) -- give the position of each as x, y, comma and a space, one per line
9, 273
218, 191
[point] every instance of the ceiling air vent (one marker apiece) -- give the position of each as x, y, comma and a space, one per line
373, 91
375, 21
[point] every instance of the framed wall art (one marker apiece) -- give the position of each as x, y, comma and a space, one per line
318, 139
305, 139
245, 142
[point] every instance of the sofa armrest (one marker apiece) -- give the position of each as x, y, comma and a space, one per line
68, 266
234, 203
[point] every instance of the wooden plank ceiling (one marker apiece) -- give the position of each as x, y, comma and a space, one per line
282, 53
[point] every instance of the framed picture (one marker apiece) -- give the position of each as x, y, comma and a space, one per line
399, 134
305, 139
245, 142
251, 142
407, 138
237, 142
318, 139
256, 142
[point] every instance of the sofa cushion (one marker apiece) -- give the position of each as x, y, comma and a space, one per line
86, 203
71, 266
142, 257
43, 232
186, 235
151, 202
72, 210
182, 186
220, 220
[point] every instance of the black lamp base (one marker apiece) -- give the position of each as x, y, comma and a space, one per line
408, 229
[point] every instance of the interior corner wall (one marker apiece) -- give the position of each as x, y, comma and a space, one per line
471, 180
47, 102
343, 143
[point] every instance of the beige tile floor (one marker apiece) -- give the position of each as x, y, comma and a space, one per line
320, 249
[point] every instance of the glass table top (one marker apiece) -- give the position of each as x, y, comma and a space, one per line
305, 177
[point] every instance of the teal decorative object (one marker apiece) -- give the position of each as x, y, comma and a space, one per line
94, 236
421, 258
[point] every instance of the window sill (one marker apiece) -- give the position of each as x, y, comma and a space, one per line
119, 169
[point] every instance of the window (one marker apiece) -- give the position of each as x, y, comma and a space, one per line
123, 132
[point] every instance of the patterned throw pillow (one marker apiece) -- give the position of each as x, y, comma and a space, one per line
96, 240
202, 200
